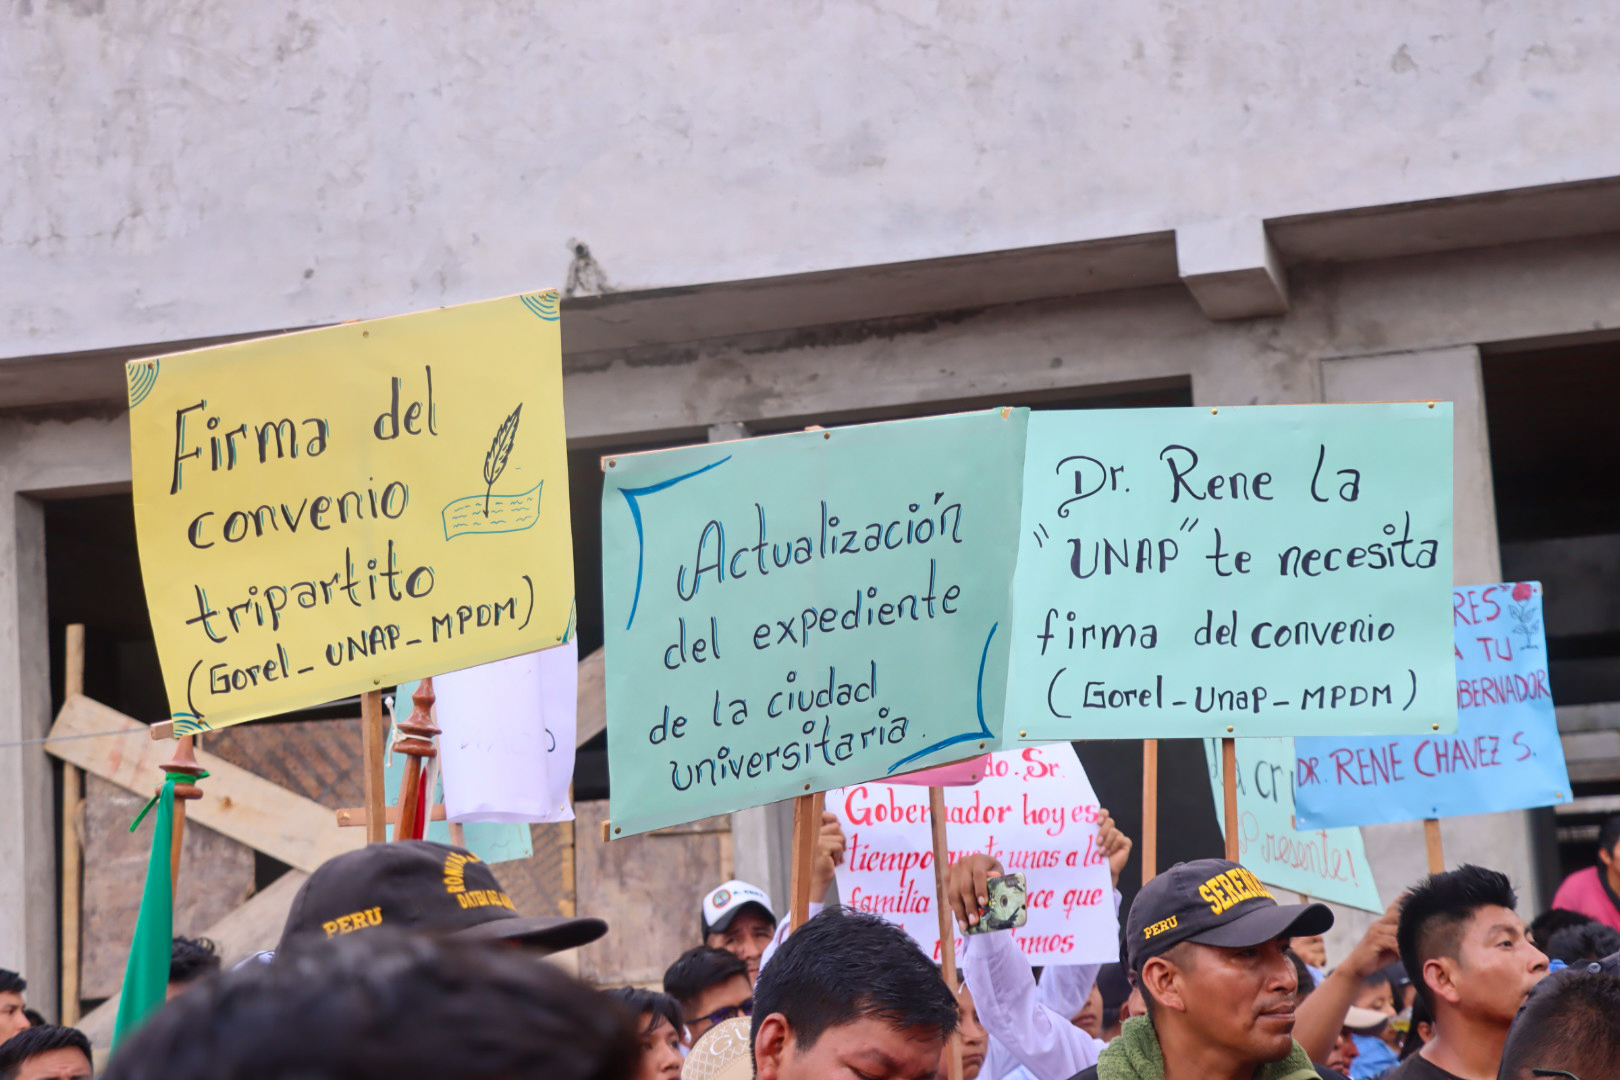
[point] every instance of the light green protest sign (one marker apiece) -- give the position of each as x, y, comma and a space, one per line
1237, 571
1325, 864
805, 611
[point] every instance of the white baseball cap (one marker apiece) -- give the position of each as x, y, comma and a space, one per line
722, 905
1365, 1021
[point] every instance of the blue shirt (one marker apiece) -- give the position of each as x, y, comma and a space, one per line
1374, 1060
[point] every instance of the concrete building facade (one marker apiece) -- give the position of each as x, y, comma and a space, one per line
770, 215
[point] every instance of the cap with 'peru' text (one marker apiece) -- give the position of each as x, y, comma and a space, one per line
1213, 902
724, 904
426, 887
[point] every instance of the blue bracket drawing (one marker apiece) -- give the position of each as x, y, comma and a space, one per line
968, 736
630, 496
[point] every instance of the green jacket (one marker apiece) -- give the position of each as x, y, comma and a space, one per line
1136, 1055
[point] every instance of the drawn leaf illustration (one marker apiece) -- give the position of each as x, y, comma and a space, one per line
499, 451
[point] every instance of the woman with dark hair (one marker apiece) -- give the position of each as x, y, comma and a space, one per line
658, 1024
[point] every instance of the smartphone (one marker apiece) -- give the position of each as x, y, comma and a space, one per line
1008, 906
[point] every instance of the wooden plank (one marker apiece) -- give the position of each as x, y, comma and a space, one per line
72, 842
247, 808
358, 816
253, 927
373, 740
591, 713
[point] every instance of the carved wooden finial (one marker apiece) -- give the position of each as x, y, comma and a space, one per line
416, 732
184, 761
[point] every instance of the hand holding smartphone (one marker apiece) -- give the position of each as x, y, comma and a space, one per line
1008, 906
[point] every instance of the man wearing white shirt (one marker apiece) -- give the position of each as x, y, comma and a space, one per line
1025, 1029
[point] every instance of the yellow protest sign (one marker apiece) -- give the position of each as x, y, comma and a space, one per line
342, 509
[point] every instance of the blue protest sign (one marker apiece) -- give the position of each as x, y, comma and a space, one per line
1505, 755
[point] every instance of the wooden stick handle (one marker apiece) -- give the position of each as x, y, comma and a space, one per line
410, 801
373, 734
806, 824
184, 760
947, 925
1150, 810
1437, 851
1229, 786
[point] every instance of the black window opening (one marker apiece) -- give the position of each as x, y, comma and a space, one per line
1552, 418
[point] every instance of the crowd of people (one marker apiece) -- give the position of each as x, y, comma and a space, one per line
409, 960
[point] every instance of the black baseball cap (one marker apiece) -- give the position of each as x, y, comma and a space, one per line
424, 886
1213, 902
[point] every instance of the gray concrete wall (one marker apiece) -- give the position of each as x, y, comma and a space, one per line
178, 170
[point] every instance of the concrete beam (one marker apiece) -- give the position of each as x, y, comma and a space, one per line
1232, 269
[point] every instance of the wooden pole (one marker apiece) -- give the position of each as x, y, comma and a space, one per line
183, 761
806, 826
1150, 809
1437, 851
947, 925
72, 842
1229, 784
416, 734
373, 734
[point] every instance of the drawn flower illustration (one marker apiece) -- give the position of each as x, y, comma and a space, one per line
1526, 621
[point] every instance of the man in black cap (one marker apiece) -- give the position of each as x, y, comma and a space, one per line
1206, 943
423, 886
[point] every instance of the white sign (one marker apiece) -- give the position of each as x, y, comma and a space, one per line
508, 737
1034, 810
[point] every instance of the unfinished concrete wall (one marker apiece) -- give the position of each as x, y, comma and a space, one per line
179, 170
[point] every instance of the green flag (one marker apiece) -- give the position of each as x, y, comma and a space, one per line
146, 979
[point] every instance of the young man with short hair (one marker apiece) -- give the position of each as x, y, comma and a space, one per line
711, 986
850, 995
12, 1004
46, 1052
1472, 961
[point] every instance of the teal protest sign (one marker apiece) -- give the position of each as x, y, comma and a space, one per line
1505, 755
1325, 864
1251, 571
805, 611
